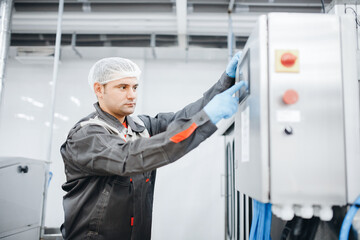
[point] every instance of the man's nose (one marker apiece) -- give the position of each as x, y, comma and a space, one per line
131, 94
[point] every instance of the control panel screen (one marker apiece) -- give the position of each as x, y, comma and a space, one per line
243, 74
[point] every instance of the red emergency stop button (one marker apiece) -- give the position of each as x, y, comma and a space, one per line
288, 59
290, 97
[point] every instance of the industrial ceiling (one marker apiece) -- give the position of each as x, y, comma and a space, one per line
145, 23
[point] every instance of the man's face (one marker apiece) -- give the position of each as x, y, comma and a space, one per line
118, 97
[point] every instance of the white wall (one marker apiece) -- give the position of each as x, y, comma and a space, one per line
25, 109
188, 202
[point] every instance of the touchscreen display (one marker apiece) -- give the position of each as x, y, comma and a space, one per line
243, 74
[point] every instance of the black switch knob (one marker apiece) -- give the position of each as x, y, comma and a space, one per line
288, 130
22, 169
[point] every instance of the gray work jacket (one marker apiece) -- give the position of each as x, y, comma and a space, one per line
110, 170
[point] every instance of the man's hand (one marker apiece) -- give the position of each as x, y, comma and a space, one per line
224, 105
231, 67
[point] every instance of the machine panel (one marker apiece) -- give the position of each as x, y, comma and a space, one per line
307, 155
251, 125
22, 183
297, 128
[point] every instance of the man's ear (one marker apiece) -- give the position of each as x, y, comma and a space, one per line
98, 89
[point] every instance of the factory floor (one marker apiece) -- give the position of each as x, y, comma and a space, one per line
324, 230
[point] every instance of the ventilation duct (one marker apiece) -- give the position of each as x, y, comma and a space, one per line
35, 55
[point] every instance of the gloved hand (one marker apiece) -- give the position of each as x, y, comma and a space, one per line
223, 105
231, 67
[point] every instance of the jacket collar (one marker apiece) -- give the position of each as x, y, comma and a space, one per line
134, 125
115, 122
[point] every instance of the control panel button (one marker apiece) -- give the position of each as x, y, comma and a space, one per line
288, 130
288, 59
290, 97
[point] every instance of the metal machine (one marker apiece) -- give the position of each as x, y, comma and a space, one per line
297, 129
22, 185
238, 206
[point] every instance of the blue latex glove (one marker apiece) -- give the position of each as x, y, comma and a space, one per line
231, 67
223, 105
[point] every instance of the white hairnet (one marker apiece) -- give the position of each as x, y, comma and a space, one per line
109, 69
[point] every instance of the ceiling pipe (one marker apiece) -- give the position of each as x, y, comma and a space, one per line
187, 49
6, 7
52, 111
231, 6
73, 44
55, 75
153, 44
181, 17
230, 37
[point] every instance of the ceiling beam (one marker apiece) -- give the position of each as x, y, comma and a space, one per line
181, 16
82, 23
113, 23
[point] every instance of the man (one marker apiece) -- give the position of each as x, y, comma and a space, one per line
110, 158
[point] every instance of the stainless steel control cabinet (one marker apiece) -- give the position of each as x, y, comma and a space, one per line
297, 128
22, 184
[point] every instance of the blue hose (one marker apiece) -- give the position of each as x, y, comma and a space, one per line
346, 225
50, 177
261, 222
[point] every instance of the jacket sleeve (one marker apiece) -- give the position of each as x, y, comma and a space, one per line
91, 150
160, 122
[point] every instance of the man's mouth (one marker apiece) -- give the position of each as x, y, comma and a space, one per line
130, 104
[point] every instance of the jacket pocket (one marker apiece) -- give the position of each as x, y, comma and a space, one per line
93, 236
98, 214
119, 215
122, 181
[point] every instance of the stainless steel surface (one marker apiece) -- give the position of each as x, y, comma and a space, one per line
242, 218
5, 34
351, 107
21, 196
358, 65
307, 167
30, 234
301, 155
238, 205
346, 7
230, 196
251, 120
247, 217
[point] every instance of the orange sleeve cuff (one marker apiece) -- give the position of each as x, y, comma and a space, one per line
181, 136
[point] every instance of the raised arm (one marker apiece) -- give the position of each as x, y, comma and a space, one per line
160, 122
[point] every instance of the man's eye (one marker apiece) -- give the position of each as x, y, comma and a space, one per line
135, 88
